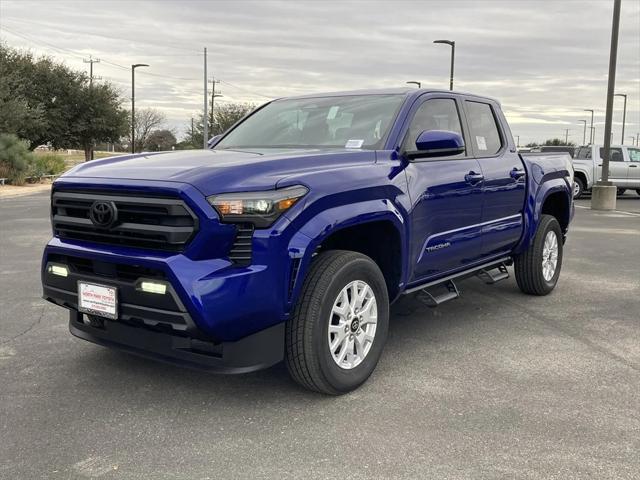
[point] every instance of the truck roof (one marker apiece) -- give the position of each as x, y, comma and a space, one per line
388, 91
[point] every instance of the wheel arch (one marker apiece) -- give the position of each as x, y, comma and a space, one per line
373, 228
554, 197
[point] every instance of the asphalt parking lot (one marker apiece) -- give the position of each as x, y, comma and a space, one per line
493, 385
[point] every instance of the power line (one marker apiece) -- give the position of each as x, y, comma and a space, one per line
94, 34
245, 90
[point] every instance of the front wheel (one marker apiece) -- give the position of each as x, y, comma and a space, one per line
338, 329
578, 188
538, 268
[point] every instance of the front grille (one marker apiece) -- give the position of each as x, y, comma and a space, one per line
146, 222
241, 251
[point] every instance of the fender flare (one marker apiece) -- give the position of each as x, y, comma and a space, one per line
310, 236
533, 209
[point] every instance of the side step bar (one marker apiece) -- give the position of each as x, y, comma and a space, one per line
494, 275
433, 299
437, 292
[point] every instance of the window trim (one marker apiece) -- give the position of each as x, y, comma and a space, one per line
410, 116
503, 140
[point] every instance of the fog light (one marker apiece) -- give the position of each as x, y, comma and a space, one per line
59, 270
153, 287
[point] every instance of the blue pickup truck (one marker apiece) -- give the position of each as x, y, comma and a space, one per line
291, 235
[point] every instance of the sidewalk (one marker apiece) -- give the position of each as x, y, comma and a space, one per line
8, 191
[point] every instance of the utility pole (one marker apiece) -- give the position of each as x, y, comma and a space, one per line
213, 96
191, 131
518, 141
584, 131
205, 118
91, 61
632, 139
603, 196
637, 138
624, 113
133, 104
566, 136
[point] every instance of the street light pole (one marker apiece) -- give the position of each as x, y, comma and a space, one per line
566, 136
591, 127
584, 131
624, 113
453, 54
632, 138
603, 196
133, 104
415, 83
517, 141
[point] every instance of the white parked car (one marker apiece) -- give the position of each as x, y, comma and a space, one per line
624, 168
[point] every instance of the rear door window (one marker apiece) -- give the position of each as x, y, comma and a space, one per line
634, 154
485, 134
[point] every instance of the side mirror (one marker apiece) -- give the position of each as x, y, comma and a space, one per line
212, 141
437, 143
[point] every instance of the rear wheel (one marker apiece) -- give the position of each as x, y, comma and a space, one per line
621, 191
638, 191
578, 187
538, 268
338, 329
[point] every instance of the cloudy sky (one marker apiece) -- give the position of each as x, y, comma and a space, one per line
545, 60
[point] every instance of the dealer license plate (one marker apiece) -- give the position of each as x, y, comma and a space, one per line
98, 300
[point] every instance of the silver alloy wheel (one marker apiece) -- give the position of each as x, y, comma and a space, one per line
576, 189
549, 255
352, 325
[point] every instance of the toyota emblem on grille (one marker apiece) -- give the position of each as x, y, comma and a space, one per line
103, 214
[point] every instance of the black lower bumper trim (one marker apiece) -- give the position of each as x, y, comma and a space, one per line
255, 352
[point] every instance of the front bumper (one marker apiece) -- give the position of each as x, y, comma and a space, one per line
255, 352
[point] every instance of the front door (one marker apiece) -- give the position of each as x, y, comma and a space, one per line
446, 195
504, 178
618, 168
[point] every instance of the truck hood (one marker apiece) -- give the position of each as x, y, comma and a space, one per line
219, 171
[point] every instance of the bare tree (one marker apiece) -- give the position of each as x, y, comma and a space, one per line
147, 120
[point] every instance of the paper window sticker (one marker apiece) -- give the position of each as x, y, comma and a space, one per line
481, 142
354, 143
333, 111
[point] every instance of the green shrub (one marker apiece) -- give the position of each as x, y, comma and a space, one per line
48, 164
15, 158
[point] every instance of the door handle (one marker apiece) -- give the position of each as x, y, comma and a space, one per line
473, 177
517, 173
634, 166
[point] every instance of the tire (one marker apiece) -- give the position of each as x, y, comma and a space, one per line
530, 274
308, 355
578, 188
638, 191
620, 192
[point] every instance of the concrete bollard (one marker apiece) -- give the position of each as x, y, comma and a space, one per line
603, 197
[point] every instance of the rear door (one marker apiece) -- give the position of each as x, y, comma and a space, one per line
634, 167
446, 194
504, 177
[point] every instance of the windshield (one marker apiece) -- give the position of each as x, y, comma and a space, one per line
356, 121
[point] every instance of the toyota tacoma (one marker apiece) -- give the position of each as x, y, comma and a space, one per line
289, 237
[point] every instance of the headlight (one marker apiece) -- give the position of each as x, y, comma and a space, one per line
259, 208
